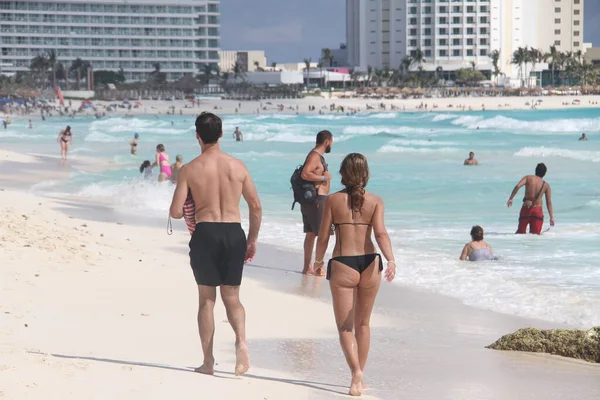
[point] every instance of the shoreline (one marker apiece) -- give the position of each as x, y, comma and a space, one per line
158, 108
134, 322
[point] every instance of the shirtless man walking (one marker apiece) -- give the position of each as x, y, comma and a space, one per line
219, 247
532, 213
315, 170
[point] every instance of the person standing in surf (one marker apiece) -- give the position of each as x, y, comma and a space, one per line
532, 214
218, 247
65, 138
133, 144
162, 161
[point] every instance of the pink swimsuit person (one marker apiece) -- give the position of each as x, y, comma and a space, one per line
165, 169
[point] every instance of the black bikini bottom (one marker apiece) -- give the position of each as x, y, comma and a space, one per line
357, 263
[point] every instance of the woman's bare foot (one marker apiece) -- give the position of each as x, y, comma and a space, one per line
320, 271
242, 360
356, 387
206, 369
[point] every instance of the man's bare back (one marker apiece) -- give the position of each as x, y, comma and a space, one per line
533, 188
216, 181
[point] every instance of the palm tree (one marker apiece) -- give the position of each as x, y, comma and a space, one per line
327, 55
78, 65
369, 75
52, 61
495, 56
405, 64
273, 65
552, 58
307, 62
238, 72
519, 58
40, 65
257, 67
438, 72
207, 72
418, 57
224, 79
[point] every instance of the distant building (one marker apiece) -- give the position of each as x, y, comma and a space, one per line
181, 35
294, 66
247, 59
454, 34
339, 57
592, 56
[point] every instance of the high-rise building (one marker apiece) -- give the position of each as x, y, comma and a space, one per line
454, 34
134, 35
249, 61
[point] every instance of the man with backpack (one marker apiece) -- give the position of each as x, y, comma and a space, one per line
311, 184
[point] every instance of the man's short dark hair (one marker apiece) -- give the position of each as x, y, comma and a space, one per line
541, 170
323, 136
209, 127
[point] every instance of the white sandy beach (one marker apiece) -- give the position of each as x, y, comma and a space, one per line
95, 309
445, 104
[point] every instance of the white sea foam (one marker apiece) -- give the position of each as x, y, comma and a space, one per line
406, 142
580, 155
530, 127
401, 149
390, 130
129, 126
101, 137
19, 135
444, 117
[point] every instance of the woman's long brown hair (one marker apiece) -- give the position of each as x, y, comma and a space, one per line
355, 176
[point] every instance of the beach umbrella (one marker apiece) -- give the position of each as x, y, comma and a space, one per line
138, 103
191, 100
125, 101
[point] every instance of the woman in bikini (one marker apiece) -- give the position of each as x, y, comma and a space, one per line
477, 249
162, 161
133, 144
354, 271
64, 138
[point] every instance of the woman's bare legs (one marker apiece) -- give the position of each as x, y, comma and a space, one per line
163, 177
343, 284
370, 280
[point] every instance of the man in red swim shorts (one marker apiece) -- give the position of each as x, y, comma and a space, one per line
532, 213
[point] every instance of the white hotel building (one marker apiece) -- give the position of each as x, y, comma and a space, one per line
181, 35
454, 33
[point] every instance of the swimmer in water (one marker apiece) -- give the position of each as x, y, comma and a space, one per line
65, 138
162, 161
238, 135
477, 249
471, 160
146, 169
176, 167
133, 144
583, 137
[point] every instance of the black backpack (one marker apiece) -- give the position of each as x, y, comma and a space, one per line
305, 192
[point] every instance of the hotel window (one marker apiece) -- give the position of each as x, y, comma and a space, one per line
557, 42
443, 53
483, 9
412, 42
427, 42
576, 2
427, 10
427, 21
576, 22
412, 21
576, 33
483, 20
470, 20
443, 20
443, 42
456, 42
456, 9
470, 9
456, 31
470, 31
577, 12
412, 32
557, 31
557, 20
469, 52
443, 9
557, 9
456, 20
469, 42
428, 53
427, 31
575, 44
483, 31
412, 10
456, 53
483, 41
443, 31
483, 52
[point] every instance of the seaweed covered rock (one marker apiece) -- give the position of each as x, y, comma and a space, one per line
583, 345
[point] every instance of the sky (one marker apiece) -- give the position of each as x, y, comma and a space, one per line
290, 31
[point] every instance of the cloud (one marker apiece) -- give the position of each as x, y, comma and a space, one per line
288, 32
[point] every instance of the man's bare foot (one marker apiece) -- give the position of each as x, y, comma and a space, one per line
356, 384
308, 271
242, 360
206, 369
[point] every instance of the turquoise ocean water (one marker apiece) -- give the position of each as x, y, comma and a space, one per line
432, 200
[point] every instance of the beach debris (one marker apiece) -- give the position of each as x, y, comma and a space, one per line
25, 216
84, 226
582, 345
